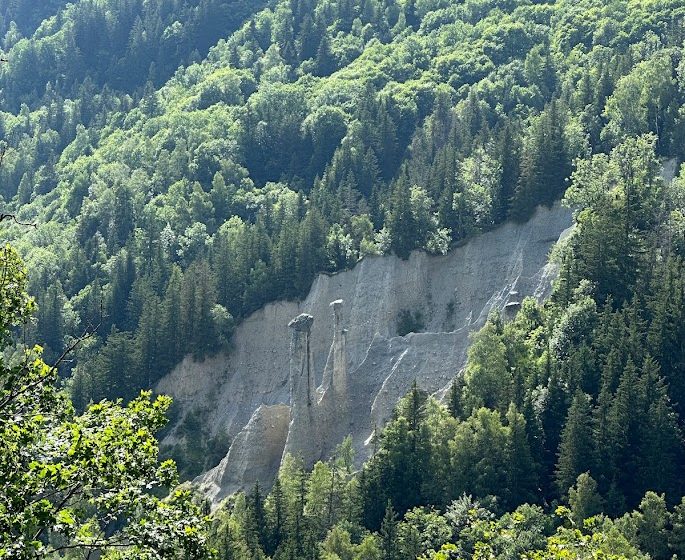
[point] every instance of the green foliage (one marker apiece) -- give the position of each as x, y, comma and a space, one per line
487, 379
15, 304
175, 197
583, 499
314, 133
463, 529
82, 482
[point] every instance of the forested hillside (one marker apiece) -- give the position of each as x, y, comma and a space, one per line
578, 402
185, 162
24, 16
316, 134
121, 44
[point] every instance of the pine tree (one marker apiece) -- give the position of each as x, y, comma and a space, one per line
584, 499
604, 470
325, 62
276, 516
526, 196
576, 450
522, 479
115, 366
311, 253
202, 336
120, 289
401, 222
411, 15
536, 440
662, 450
553, 419
147, 352
308, 40
508, 155
388, 533
171, 324
255, 523
386, 132
455, 398
625, 441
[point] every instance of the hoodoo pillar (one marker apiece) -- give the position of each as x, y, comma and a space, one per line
302, 387
303, 437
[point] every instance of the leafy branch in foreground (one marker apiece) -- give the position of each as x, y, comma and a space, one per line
85, 483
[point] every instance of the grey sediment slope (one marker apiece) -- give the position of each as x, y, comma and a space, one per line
303, 389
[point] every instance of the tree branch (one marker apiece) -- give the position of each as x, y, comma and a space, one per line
16, 220
88, 333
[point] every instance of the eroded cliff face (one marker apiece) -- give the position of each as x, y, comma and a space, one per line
302, 376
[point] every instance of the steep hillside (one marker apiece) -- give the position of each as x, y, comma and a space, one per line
22, 17
448, 297
318, 133
324, 226
578, 401
115, 43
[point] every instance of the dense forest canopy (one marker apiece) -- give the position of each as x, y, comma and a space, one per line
577, 402
177, 188
24, 16
124, 45
316, 134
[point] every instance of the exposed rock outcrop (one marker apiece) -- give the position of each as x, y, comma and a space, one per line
255, 453
303, 433
351, 347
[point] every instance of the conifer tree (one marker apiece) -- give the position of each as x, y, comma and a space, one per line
171, 320
625, 436
147, 355
388, 533
508, 155
652, 520
576, 449
275, 507
400, 221
325, 61
455, 398
256, 533
662, 436
584, 499
522, 479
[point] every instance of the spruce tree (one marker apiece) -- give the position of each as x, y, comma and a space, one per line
576, 449
255, 523
171, 321
662, 449
625, 435
454, 404
508, 155
522, 479
584, 499
325, 62
388, 533
276, 517
401, 222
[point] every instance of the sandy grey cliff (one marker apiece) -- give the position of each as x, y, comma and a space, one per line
339, 368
